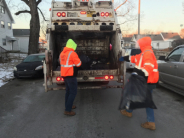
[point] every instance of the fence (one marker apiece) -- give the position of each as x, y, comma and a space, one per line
3, 54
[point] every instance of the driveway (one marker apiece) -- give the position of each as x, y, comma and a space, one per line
26, 111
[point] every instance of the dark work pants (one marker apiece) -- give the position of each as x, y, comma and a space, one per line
71, 92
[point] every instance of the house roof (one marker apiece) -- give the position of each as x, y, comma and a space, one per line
21, 32
167, 36
127, 39
154, 37
8, 11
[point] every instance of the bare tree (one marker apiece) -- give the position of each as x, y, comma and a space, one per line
126, 15
34, 24
147, 31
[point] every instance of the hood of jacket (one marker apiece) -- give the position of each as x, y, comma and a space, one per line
71, 44
145, 43
66, 49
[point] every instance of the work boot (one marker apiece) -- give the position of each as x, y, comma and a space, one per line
71, 113
125, 113
149, 125
73, 106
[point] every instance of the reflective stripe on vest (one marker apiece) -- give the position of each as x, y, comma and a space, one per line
140, 62
68, 61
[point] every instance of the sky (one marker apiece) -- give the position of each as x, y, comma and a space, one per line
158, 15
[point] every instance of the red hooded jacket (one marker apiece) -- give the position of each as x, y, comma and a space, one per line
146, 61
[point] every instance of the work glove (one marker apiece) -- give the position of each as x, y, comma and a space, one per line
125, 58
140, 73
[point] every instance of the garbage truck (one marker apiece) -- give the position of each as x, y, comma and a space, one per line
94, 27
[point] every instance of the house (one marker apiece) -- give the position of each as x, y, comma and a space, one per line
170, 37
6, 33
157, 40
22, 35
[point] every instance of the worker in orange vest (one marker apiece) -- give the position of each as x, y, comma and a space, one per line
69, 60
146, 66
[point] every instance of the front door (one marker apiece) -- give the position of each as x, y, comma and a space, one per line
180, 70
168, 70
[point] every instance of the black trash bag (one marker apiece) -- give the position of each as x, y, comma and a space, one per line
99, 66
58, 68
86, 61
136, 94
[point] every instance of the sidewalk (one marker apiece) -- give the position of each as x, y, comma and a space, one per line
6, 69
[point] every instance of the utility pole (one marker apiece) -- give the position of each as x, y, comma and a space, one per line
139, 17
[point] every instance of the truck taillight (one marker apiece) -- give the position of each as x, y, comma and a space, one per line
102, 13
50, 9
99, 78
59, 14
106, 77
58, 78
111, 77
87, 0
83, 12
63, 14
106, 14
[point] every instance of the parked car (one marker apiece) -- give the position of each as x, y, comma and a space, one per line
171, 70
131, 52
31, 66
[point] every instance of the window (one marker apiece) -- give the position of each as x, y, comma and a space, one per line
9, 26
176, 55
2, 24
34, 58
2, 9
4, 42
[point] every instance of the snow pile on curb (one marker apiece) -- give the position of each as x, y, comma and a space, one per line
6, 69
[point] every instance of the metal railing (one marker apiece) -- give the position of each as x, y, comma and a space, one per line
3, 54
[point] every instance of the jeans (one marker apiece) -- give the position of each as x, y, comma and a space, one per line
71, 92
149, 111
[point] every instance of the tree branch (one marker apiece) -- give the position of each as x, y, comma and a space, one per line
19, 12
128, 21
38, 2
42, 14
125, 13
26, 1
121, 5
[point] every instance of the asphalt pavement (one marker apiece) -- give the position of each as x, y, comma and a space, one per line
26, 111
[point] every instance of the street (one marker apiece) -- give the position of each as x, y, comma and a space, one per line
26, 111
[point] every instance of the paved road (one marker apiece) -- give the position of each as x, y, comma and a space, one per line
26, 111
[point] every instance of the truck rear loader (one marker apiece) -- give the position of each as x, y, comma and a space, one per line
94, 27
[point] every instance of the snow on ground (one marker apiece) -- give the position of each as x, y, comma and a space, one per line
6, 69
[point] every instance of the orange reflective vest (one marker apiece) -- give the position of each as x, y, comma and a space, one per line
147, 62
68, 59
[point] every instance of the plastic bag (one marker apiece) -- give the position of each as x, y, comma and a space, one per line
86, 61
136, 94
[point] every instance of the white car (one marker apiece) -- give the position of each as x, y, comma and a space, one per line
131, 52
